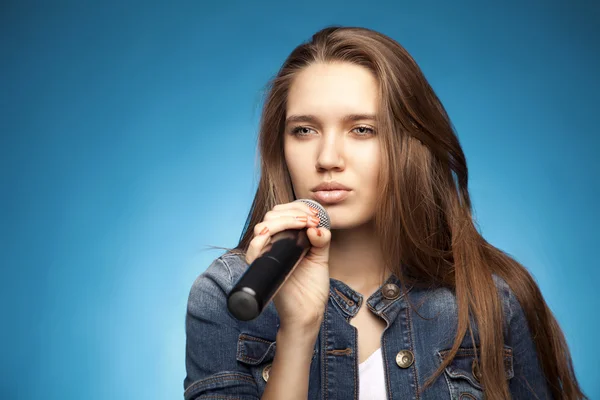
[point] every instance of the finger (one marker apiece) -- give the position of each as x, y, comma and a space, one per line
299, 205
256, 246
282, 223
319, 238
296, 212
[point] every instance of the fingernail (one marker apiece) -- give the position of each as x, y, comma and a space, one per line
315, 220
319, 232
315, 212
265, 230
303, 219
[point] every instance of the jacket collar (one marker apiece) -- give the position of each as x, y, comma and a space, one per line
349, 300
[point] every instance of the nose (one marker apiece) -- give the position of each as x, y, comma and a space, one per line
330, 154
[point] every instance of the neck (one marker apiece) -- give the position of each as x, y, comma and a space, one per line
355, 258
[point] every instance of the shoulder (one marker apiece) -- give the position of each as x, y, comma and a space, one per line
207, 302
515, 323
510, 303
223, 271
213, 284
445, 297
442, 301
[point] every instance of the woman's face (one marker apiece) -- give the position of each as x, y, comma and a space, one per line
331, 137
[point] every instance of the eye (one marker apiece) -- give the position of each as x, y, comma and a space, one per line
359, 130
364, 130
301, 131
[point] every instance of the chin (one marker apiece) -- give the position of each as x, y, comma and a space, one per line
346, 219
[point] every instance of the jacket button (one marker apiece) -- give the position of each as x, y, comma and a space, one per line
405, 358
476, 371
391, 291
265, 372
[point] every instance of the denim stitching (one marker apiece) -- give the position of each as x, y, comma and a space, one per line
323, 355
346, 299
465, 353
414, 364
385, 360
355, 364
219, 397
447, 374
243, 357
450, 387
222, 258
256, 339
224, 377
387, 303
343, 307
337, 352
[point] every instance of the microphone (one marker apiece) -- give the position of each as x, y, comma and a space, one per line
269, 271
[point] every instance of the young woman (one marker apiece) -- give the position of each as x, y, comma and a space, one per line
402, 298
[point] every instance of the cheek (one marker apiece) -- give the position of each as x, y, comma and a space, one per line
296, 166
368, 165
292, 161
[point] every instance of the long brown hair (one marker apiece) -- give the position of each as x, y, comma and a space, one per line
425, 217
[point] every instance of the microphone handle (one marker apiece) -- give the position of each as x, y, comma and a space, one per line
265, 276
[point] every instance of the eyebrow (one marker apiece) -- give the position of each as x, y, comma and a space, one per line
313, 119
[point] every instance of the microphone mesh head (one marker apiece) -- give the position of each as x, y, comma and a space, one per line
323, 216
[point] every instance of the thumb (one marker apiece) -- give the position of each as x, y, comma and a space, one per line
319, 238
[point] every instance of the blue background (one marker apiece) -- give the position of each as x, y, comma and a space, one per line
128, 137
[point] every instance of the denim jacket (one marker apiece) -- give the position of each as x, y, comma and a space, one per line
230, 359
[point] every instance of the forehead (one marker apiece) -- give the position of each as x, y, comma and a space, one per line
333, 89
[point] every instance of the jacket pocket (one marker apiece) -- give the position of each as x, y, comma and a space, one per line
223, 385
463, 375
257, 354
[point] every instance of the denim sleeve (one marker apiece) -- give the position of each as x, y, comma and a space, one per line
529, 381
211, 341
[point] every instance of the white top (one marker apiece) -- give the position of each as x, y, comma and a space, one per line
372, 378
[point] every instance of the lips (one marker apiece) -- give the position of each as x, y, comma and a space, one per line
331, 196
330, 192
329, 186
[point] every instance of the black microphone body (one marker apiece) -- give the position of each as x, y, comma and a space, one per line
265, 276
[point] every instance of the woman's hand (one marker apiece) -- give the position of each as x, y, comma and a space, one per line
302, 298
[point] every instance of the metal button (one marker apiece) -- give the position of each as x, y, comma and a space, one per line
390, 291
265, 373
476, 371
405, 358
